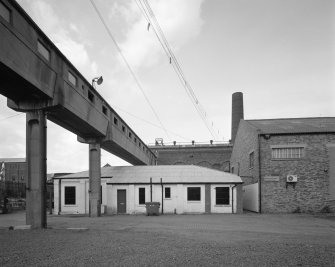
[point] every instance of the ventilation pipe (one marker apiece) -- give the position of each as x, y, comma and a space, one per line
237, 113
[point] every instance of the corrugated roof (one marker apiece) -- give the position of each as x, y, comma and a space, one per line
169, 174
11, 160
294, 125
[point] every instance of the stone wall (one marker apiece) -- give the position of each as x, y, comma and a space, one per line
210, 156
311, 192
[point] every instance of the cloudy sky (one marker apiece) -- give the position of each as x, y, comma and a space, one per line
279, 53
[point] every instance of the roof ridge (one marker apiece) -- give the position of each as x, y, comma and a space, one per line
296, 118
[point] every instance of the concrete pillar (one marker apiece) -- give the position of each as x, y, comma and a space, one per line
36, 153
95, 180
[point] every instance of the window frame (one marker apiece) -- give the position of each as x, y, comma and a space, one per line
73, 198
288, 152
9, 20
43, 50
251, 160
193, 194
71, 75
217, 189
141, 196
167, 189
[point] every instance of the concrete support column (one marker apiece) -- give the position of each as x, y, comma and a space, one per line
36, 153
95, 180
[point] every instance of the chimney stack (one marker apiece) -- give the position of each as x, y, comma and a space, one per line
237, 113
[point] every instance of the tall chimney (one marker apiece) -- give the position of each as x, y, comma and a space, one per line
237, 113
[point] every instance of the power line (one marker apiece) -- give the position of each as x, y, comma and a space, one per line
152, 21
128, 66
11, 116
148, 122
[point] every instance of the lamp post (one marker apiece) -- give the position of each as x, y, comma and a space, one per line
97, 80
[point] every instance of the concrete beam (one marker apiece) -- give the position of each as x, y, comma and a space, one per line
95, 179
36, 153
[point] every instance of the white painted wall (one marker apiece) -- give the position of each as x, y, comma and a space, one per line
250, 197
194, 206
79, 207
222, 208
178, 202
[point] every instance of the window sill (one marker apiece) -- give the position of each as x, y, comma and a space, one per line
193, 201
228, 205
70, 205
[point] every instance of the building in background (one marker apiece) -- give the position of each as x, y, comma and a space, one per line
13, 169
287, 165
214, 155
179, 189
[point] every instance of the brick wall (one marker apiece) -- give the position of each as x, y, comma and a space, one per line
311, 192
210, 156
246, 142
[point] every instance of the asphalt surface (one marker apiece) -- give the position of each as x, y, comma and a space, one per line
171, 240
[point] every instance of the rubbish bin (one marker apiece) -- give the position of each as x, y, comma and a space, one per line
152, 208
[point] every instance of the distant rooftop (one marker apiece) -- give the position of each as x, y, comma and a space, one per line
295, 125
12, 160
168, 173
175, 144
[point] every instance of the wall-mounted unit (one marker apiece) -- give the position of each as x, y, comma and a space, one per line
292, 178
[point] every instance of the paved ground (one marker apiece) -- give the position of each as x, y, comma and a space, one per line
171, 240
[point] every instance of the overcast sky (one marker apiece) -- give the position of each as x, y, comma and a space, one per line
279, 53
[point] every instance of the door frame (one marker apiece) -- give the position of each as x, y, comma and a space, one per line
117, 201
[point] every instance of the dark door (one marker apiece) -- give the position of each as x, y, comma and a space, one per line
121, 201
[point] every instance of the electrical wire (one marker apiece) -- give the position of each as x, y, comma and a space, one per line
11, 116
128, 66
148, 122
152, 20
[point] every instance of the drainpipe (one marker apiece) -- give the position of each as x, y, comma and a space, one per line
162, 196
59, 196
150, 189
232, 199
259, 174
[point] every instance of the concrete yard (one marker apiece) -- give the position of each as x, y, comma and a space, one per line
171, 240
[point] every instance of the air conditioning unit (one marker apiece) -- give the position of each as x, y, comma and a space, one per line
292, 178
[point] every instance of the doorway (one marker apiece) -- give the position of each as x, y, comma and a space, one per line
121, 201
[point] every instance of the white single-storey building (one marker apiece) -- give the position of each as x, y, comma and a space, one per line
179, 189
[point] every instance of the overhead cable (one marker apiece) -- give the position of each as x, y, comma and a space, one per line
128, 66
153, 22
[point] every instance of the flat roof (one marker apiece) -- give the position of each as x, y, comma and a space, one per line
169, 174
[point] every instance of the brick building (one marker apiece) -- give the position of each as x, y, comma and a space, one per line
211, 155
287, 165
14, 169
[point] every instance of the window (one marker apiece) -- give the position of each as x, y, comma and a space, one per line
43, 50
232, 169
167, 192
141, 196
70, 195
5, 12
90, 96
123, 128
129, 134
287, 152
193, 194
222, 196
104, 110
135, 140
251, 160
116, 122
72, 79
